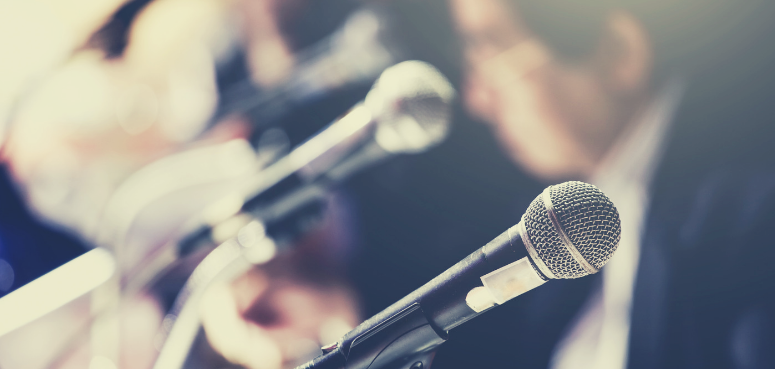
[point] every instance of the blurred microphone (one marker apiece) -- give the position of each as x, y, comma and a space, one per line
407, 111
569, 231
356, 53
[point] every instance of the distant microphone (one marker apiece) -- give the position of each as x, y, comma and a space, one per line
407, 111
356, 53
569, 231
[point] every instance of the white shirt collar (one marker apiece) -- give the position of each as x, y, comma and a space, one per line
635, 155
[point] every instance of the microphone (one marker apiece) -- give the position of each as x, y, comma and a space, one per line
356, 53
569, 231
407, 111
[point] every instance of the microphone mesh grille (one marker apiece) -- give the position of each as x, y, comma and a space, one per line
412, 102
589, 219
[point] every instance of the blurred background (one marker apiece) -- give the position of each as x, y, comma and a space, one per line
137, 136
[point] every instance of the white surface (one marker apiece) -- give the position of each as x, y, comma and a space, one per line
55, 289
512, 280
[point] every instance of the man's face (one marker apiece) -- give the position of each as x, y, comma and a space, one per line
555, 119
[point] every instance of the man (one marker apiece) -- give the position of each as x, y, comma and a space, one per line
635, 97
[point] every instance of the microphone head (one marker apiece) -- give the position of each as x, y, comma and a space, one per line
573, 230
412, 104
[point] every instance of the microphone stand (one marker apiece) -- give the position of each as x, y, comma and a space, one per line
251, 247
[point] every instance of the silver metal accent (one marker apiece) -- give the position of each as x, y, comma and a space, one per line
329, 347
531, 250
547, 198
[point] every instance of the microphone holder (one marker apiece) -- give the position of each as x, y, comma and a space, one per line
226, 262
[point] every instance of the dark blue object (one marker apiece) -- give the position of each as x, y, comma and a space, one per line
29, 247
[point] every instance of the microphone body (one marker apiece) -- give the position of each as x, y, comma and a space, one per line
415, 325
407, 111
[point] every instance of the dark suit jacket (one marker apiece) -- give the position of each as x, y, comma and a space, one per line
704, 292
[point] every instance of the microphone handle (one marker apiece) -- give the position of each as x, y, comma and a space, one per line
420, 322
